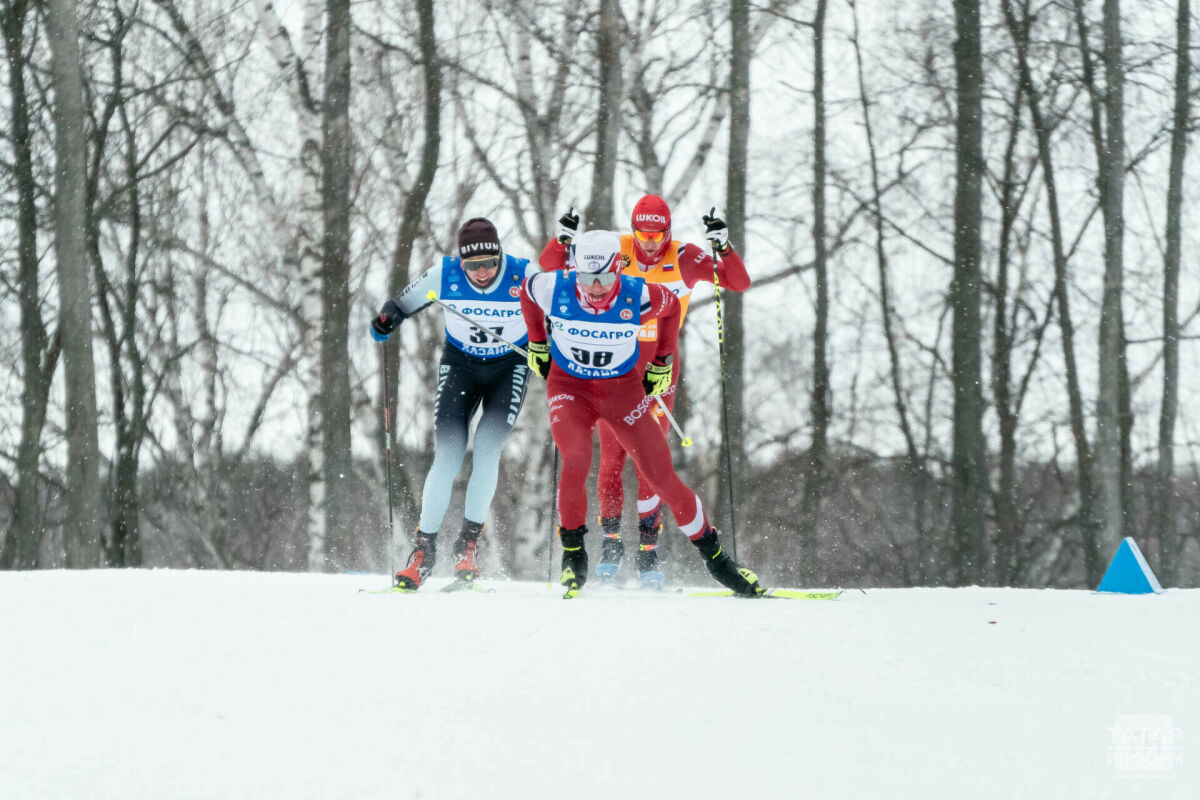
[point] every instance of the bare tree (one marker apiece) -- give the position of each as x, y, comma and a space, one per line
1169, 538
81, 533
604, 166
733, 324
814, 472
915, 468
1014, 323
1084, 461
39, 353
336, 170
969, 469
127, 363
1108, 140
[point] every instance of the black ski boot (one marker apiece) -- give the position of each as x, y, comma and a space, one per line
647, 555
420, 563
465, 550
612, 549
574, 560
727, 571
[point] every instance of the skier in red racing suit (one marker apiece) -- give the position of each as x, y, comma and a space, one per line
594, 314
651, 253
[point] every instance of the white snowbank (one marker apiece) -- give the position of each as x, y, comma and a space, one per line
170, 684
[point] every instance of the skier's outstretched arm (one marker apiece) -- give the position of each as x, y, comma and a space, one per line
410, 300
696, 264
554, 254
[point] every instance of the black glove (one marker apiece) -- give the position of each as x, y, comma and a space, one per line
568, 226
716, 231
389, 318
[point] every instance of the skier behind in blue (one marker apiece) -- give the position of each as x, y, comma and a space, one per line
476, 369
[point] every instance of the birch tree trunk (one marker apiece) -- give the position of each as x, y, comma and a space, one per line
335, 353
82, 527
1170, 544
814, 473
969, 470
295, 72
296, 244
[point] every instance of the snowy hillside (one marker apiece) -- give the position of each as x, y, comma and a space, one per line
166, 684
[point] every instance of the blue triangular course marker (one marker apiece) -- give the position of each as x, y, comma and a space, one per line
1129, 573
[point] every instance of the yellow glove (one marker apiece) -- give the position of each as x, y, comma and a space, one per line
658, 376
539, 357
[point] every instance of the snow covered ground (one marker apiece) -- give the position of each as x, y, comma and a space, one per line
173, 684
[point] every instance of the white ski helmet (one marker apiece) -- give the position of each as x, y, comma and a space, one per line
597, 254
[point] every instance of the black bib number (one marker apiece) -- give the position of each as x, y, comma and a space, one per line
592, 358
480, 335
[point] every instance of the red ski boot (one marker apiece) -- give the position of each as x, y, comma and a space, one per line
420, 563
466, 549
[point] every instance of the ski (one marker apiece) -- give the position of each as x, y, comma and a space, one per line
465, 583
777, 594
456, 585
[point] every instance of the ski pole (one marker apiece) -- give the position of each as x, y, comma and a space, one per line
553, 511
432, 297
684, 439
387, 450
724, 396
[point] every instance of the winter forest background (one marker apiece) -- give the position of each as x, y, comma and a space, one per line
967, 357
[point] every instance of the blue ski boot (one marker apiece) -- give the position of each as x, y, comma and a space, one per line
612, 550
647, 555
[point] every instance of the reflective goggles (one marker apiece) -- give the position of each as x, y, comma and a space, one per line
480, 262
650, 236
606, 279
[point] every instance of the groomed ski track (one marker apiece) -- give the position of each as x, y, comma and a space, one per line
189, 684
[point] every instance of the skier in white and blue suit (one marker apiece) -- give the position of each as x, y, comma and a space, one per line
477, 369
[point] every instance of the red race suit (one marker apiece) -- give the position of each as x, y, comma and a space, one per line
679, 268
581, 394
